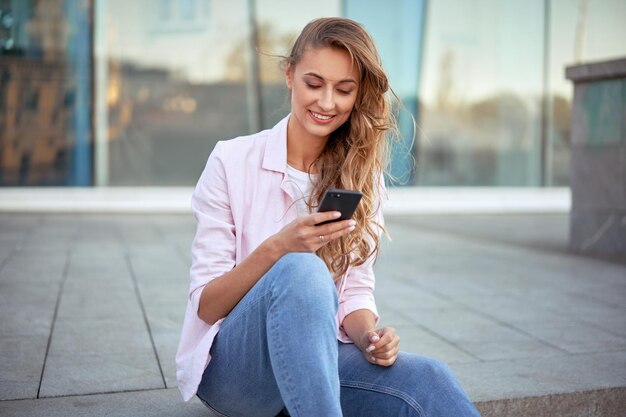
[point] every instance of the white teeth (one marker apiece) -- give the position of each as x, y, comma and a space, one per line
320, 116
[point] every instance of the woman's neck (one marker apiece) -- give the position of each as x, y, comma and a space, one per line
303, 148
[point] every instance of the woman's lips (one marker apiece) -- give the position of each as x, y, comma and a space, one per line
320, 117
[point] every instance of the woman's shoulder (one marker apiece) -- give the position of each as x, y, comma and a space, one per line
241, 145
246, 146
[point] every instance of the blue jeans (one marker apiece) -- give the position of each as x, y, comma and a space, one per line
278, 351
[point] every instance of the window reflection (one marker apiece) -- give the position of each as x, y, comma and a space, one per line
175, 76
177, 83
481, 94
44, 87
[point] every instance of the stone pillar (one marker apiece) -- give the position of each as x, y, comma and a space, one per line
598, 162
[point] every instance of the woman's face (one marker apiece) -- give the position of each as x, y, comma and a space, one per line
324, 85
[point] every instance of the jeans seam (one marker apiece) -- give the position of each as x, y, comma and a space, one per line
386, 390
211, 408
249, 307
279, 352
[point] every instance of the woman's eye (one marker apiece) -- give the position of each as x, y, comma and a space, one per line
313, 85
344, 92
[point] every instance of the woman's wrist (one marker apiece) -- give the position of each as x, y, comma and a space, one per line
358, 325
273, 248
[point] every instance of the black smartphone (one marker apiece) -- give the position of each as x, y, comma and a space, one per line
344, 201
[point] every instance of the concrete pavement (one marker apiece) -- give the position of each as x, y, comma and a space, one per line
91, 308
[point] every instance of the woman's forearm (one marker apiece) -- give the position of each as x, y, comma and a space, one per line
222, 294
357, 325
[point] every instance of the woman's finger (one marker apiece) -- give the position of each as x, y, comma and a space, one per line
342, 228
384, 362
387, 346
386, 354
316, 218
388, 340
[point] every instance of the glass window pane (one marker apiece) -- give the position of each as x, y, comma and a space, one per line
177, 82
45, 119
397, 28
481, 94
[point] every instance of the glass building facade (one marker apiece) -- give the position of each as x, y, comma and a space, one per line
136, 93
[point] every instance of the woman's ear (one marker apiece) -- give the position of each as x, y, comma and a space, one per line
289, 75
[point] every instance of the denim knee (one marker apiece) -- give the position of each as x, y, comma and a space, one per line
305, 277
436, 371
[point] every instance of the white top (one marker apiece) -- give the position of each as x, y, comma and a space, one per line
301, 185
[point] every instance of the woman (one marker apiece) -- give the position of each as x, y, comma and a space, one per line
281, 314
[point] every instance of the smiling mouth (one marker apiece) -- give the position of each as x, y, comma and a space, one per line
321, 116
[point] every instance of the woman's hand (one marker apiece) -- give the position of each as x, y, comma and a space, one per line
302, 234
381, 346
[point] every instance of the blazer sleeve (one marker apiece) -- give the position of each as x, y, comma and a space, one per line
214, 245
358, 288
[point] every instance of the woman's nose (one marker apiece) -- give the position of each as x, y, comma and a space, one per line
326, 100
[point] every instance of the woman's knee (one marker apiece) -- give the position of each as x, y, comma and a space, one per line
301, 268
304, 276
438, 390
435, 370
421, 371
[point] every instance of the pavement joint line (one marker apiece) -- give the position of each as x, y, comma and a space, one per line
587, 322
488, 316
145, 316
66, 268
491, 241
450, 342
89, 394
437, 335
597, 326
513, 327
596, 301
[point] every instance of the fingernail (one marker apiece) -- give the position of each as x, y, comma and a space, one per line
351, 228
375, 338
337, 214
370, 348
351, 223
373, 359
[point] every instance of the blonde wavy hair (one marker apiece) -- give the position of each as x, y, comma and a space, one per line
357, 153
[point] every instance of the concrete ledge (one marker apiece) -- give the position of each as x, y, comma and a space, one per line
409, 200
167, 402
596, 70
598, 403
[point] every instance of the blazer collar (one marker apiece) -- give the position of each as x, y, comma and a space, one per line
275, 157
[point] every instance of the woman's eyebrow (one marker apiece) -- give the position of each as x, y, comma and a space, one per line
345, 80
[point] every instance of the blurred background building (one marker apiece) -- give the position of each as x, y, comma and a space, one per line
136, 93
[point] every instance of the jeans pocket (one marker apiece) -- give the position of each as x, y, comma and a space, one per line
213, 410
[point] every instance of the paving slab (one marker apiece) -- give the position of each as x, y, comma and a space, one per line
21, 363
102, 372
28, 294
147, 403
97, 345
530, 377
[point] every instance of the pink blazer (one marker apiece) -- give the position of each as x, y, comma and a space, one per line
240, 200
